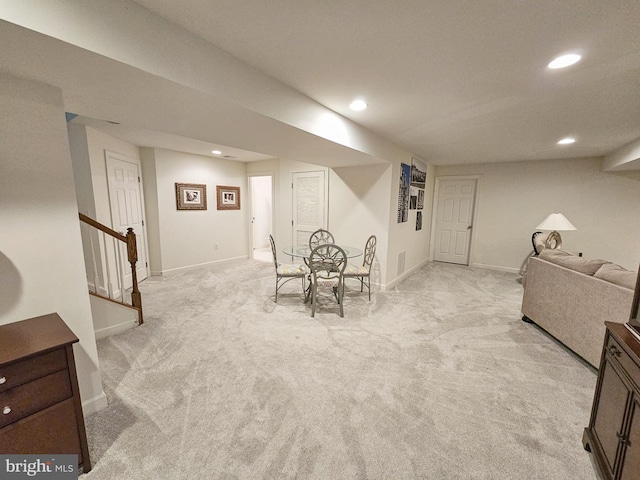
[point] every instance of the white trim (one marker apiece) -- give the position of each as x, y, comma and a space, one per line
496, 267
404, 276
94, 404
115, 329
189, 267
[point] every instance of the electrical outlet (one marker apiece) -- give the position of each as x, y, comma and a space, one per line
216, 246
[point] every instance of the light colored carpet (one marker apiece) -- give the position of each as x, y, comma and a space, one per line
435, 379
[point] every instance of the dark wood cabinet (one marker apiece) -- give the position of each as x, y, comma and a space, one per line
40, 408
613, 434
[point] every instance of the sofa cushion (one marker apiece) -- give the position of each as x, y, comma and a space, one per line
571, 261
616, 274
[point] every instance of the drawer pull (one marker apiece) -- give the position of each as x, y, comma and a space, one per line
3, 380
6, 410
613, 350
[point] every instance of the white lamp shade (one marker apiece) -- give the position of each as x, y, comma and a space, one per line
556, 221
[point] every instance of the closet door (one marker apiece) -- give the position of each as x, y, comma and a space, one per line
309, 205
454, 220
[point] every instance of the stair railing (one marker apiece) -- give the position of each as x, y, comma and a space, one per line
129, 241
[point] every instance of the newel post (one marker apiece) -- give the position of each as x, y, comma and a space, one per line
132, 255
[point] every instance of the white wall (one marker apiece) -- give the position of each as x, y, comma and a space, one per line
187, 238
513, 198
167, 51
362, 202
358, 208
88, 147
284, 200
403, 237
41, 260
97, 143
150, 183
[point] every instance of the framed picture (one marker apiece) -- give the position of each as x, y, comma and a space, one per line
228, 197
191, 196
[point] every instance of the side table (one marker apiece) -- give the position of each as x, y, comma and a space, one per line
40, 408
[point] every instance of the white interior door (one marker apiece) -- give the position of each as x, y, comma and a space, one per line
261, 212
309, 205
125, 197
454, 220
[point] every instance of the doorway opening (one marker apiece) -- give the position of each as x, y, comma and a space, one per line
261, 191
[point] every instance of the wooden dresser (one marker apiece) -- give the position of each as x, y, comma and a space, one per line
40, 408
613, 434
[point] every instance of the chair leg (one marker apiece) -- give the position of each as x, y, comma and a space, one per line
340, 301
313, 300
368, 286
276, 290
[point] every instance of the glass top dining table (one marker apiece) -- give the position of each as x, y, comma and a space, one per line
303, 251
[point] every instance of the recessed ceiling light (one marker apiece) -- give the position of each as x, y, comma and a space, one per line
564, 61
567, 141
358, 105
216, 152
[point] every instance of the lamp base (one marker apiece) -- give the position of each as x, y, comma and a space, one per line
553, 241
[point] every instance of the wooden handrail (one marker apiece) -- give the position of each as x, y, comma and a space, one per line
132, 257
102, 227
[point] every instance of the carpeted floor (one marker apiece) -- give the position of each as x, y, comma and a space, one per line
435, 379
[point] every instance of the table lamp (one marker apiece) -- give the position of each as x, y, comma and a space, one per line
556, 222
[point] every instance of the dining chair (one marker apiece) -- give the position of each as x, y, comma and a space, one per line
320, 237
286, 272
327, 263
363, 272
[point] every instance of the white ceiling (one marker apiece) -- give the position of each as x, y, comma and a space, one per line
453, 82
144, 137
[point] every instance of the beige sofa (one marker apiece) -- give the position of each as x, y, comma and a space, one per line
571, 297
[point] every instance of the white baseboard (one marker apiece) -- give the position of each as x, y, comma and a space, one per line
496, 267
404, 276
94, 404
189, 267
115, 329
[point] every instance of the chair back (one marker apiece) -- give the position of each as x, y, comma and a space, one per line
327, 261
369, 252
273, 251
320, 237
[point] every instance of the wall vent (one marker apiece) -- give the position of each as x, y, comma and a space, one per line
401, 260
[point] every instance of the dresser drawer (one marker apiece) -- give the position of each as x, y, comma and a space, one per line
621, 357
22, 401
53, 430
24, 371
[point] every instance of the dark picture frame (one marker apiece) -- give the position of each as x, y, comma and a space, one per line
228, 197
191, 196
